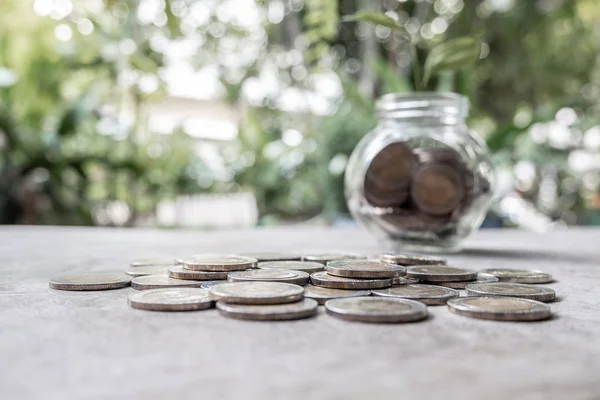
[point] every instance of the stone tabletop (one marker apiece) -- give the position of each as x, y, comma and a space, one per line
70, 345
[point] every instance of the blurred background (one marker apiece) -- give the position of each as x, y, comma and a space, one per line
236, 113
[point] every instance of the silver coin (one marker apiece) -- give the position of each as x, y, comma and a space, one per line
481, 278
410, 259
272, 312
500, 308
256, 292
323, 258
269, 275
177, 299
402, 280
306, 266
440, 273
364, 269
427, 294
146, 262
322, 294
179, 272
519, 275
532, 292
337, 282
149, 270
161, 282
90, 281
377, 309
209, 284
211, 262
272, 256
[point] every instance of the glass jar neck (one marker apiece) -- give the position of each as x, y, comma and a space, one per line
423, 108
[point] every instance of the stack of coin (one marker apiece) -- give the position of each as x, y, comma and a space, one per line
421, 189
448, 276
357, 274
262, 301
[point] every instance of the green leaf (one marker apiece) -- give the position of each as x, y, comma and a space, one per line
452, 55
374, 18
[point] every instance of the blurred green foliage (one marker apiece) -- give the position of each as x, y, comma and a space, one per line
68, 151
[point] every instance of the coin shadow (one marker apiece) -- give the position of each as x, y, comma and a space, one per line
558, 299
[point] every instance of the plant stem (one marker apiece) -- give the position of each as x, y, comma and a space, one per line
416, 71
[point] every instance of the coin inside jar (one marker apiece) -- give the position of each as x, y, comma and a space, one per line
209, 262
440, 273
519, 275
322, 294
392, 166
337, 282
364, 269
437, 189
90, 281
256, 292
273, 312
532, 292
306, 266
500, 308
177, 299
269, 275
377, 309
427, 294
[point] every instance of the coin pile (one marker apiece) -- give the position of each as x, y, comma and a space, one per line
389, 288
421, 189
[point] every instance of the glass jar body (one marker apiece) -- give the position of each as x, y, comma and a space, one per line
420, 180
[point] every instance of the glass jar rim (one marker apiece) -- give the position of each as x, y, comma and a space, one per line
423, 104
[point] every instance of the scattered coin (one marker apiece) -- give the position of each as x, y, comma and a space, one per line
306, 266
256, 292
271, 256
179, 272
323, 258
149, 270
209, 262
410, 259
532, 292
364, 269
161, 282
322, 294
440, 273
146, 262
178, 299
402, 280
427, 294
519, 275
500, 308
90, 281
377, 309
269, 275
209, 284
273, 312
481, 278
337, 282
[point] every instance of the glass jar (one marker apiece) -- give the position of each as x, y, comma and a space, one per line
420, 180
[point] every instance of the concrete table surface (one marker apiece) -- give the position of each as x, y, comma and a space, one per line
92, 345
